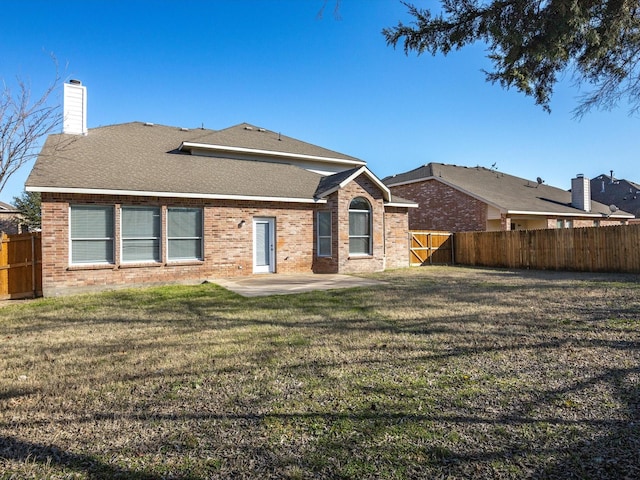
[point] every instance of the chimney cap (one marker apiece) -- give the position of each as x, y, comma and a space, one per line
74, 81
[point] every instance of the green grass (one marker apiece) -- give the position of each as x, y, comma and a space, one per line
441, 373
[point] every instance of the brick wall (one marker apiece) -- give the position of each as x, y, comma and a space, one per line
397, 237
442, 207
228, 242
360, 187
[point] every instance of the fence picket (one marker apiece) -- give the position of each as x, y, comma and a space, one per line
608, 249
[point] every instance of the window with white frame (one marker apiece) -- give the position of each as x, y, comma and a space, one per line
324, 234
92, 234
184, 234
140, 234
360, 227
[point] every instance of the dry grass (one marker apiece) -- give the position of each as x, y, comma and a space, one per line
442, 373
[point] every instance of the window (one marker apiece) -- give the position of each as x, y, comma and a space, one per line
91, 234
564, 223
359, 227
140, 233
184, 233
324, 234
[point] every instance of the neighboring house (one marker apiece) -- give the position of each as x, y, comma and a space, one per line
624, 194
9, 219
138, 203
458, 199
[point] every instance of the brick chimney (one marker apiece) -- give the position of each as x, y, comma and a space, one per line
74, 108
581, 193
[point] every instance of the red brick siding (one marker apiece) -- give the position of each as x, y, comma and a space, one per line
442, 207
228, 244
396, 237
228, 247
360, 187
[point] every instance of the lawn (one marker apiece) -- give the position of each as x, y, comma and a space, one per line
443, 372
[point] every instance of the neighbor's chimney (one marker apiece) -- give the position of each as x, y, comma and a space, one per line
75, 108
581, 193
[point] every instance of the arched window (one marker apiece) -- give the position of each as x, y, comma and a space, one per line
359, 227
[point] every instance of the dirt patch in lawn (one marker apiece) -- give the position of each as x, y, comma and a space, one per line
441, 372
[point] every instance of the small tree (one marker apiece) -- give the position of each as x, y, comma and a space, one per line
532, 42
28, 204
24, 123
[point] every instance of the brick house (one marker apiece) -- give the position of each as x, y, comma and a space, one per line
458, 199
140, 204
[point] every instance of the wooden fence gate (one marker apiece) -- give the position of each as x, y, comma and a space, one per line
430, 248
20, 265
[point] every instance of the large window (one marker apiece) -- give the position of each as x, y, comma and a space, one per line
359, 227
140, 232
184, 233
91, 234
324, 234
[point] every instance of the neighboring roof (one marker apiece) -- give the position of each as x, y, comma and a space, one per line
622, 193
140, 159
6, 207
506, 192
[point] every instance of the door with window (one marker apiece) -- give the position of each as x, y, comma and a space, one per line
264, 253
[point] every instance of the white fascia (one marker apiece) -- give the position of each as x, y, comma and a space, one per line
188, 146
385, 190
570, 214
404, 205
211, 196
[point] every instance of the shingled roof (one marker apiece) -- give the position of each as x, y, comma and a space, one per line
143, 159
505, 192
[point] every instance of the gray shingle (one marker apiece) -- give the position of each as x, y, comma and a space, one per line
141, 158
499, 189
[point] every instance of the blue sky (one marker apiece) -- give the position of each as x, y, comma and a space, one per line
334, 83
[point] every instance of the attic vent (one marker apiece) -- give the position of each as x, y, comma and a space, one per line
182, 129
148, 124
262, 130
248, 128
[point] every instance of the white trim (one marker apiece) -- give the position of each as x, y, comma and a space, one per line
187, 146
212, 196
405, 205
570, 214
385, 190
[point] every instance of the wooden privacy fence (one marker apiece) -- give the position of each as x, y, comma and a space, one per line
430, 248
20, 265
592, 249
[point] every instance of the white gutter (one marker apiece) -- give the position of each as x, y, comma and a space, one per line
404, 205
187, 146
213, 196
385, 190
569, 214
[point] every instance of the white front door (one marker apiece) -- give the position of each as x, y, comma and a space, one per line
264, 253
